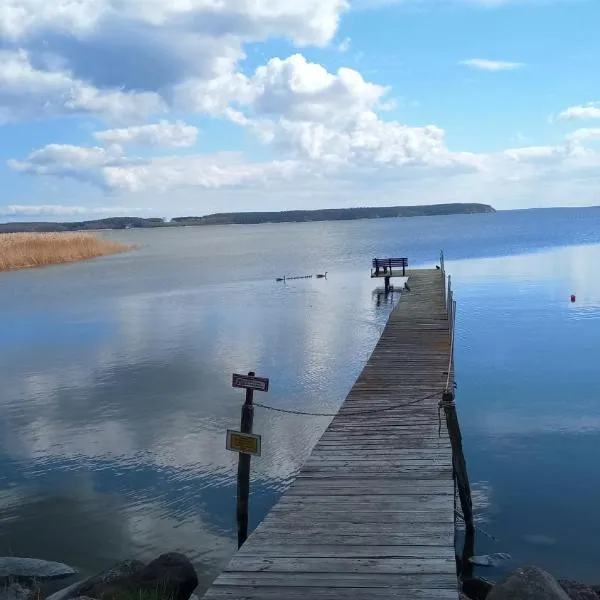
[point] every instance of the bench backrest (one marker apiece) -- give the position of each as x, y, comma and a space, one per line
390, 262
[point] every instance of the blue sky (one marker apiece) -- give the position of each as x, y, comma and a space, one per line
187, 107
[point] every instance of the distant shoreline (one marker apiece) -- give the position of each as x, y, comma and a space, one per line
250, 218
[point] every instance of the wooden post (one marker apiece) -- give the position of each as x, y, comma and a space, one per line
458, 459
387, 285
243, 478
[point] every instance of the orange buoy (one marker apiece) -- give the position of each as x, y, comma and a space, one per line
572, 297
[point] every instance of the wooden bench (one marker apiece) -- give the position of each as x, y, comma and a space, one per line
386, 265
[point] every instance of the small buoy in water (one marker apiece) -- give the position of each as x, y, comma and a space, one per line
573, 298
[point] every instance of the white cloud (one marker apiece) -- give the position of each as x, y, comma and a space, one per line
315, 115
196, 171
586, 134
582, 111
308, 22
58, 210
163, 134
112, 170
483, 64
29, 92
130, 59
344, 45
64, 160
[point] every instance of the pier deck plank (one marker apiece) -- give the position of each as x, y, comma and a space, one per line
371, 513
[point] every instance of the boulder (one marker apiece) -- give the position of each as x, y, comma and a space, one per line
171, 576
528, 583
33, 568
121, 569
577, 591
476, 588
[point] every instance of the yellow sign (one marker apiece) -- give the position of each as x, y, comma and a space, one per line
246, 443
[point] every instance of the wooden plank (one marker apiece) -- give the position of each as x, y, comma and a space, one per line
367, 502
250, 563
340, 580
371, 513
265, 538
282, 550
245, 592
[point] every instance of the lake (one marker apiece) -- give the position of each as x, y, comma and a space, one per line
116, 381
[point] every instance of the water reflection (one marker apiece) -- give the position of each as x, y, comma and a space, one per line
117, 383
527, 395
115, 409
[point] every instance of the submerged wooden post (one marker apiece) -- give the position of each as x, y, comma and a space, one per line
243, 478
387, 285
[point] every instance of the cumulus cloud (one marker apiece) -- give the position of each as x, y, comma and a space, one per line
483, 64
163, 134
308, 22
63, 160
313, 114
29, 92
582, 111
110, 169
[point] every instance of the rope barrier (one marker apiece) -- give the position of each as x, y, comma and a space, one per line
350, 414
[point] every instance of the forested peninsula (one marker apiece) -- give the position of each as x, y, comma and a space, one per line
251, 218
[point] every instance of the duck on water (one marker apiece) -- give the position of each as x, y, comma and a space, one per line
318, 276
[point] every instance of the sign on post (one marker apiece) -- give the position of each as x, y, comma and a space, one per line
260, 384
244, 443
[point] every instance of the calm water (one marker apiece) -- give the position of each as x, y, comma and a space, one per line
116, 381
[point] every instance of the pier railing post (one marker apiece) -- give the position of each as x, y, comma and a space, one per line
243, 478
458, 460
461, 476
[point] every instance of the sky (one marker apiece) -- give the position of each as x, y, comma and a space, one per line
189, 107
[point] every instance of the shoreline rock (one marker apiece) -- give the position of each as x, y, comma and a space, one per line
16, 567
170, 576
527, 583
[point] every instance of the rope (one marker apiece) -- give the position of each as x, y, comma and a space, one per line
351, 414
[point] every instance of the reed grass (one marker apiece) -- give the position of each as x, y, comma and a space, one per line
26, 250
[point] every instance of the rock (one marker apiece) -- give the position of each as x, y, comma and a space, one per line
577, 591
17, 591
476, 588
34, 568
172, 576
596, 589
121, 569
528, 583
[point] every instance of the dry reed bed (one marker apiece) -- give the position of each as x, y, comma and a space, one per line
25, 250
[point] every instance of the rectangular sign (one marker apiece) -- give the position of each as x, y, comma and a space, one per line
246, 443
260, 384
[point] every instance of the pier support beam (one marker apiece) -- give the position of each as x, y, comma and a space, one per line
458, 459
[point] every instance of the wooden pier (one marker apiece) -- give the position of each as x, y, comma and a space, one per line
371, 513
